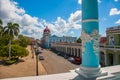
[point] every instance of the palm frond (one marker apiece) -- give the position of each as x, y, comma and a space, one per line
12, 29
16, 25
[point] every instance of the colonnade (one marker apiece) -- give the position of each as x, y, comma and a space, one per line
68, 49
75, 50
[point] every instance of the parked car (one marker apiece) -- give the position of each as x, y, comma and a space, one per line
66, 56
62, 54
58, 53
77, 60
41, 58
71, 59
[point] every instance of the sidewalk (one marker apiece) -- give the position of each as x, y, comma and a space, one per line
22, 69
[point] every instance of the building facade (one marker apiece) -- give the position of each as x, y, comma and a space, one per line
75, 49
68, 39
112, 47
47, 39
109, 47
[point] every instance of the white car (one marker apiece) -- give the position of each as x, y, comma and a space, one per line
41, 58
71, 59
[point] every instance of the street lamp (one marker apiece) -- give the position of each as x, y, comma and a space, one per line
37, 52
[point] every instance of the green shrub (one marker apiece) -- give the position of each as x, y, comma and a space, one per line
3, 41
9, 62
16, 51
79, 40
23, 41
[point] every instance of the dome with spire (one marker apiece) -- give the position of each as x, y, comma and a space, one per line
46, 30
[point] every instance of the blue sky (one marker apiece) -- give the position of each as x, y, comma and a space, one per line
63, 17
50, 9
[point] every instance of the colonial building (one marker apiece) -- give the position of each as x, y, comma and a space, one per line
75, 50
47, 39
113, 46
68, 39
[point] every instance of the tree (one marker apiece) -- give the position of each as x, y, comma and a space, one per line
16, 50
12, 30
1, 28
79, 40
21, 41
4, 41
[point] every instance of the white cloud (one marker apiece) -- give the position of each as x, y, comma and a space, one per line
10, 12
28, 20
80, 1
75, 17
60, 23
74, 26
33, 26
102, 34
116, 0
114, 11
61, 27
117, 22
75, 20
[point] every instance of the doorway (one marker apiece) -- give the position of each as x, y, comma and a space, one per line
111, 59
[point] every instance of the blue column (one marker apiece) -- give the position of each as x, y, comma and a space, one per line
90, 33
90, 69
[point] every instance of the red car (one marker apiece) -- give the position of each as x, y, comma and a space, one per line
77, 60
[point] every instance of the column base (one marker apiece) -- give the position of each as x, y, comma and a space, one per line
90, 72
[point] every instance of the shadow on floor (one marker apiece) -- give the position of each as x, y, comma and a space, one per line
4, 62
79, 77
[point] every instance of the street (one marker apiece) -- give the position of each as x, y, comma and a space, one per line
56, 64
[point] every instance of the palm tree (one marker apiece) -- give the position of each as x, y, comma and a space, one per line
1, 28
12, 30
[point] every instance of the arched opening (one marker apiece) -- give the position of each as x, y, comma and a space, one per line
102, 59
111, 59
65, 50
75, 52
79, 52
119, 59
68, 51
72, 51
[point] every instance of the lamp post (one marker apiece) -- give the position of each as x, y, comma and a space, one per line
37, 52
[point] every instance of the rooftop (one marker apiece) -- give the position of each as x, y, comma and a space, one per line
114, 28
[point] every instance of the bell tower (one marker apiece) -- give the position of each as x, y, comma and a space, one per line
46, 35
